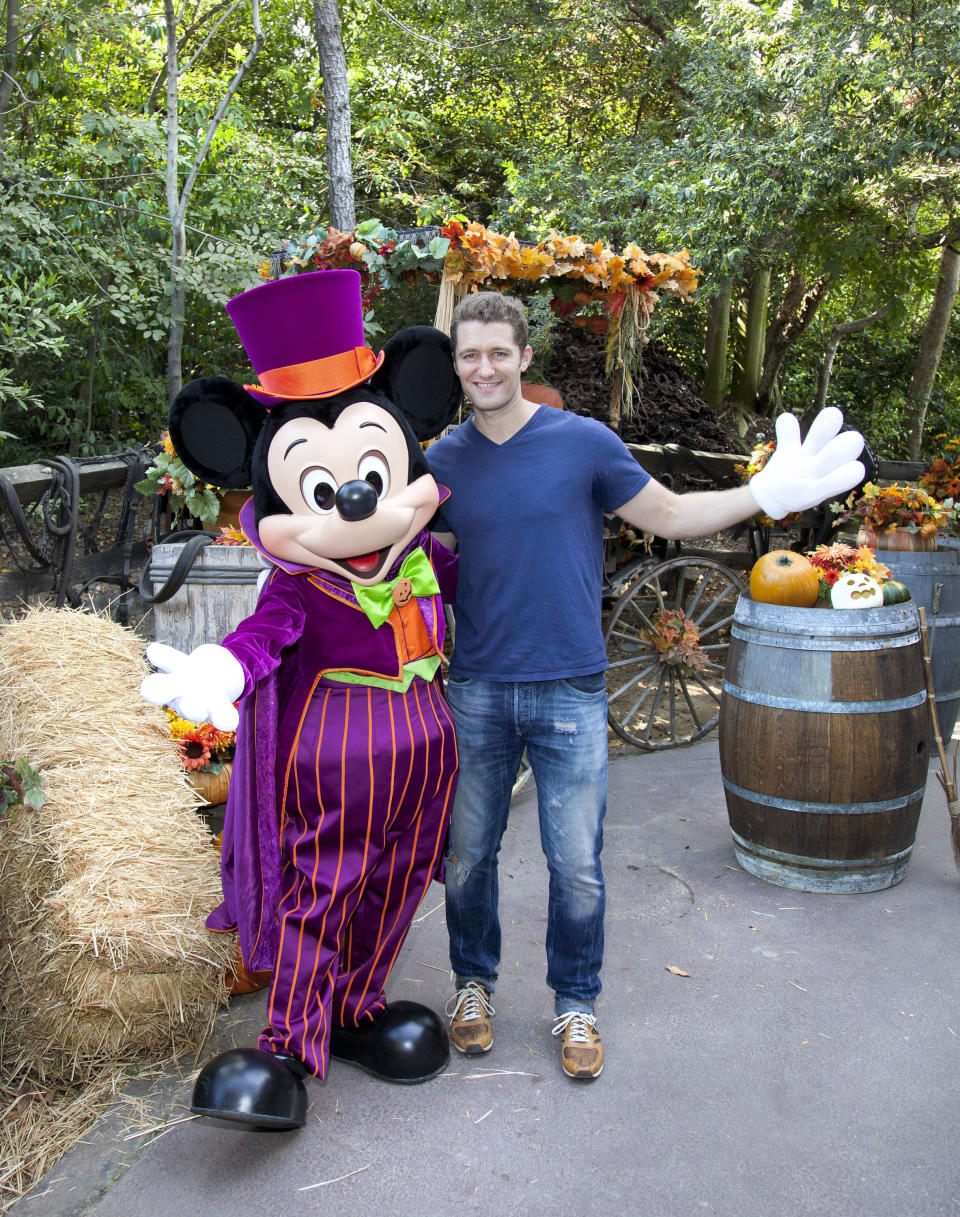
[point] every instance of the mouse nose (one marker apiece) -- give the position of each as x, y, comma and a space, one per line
356, 500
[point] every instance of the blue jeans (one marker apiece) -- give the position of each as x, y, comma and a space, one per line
563, 725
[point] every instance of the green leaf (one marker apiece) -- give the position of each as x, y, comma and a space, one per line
20, 783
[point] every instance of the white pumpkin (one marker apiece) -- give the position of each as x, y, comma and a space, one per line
856, 590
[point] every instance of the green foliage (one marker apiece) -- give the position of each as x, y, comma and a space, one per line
388, 259
543, 322
814, 136
85, 226
187, 493
20, 786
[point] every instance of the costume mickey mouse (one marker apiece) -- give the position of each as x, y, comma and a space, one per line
346, 758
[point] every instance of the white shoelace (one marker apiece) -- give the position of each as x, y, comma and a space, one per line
475, 1001
580, 1025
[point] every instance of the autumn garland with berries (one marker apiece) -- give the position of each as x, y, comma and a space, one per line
581, 273
604, 291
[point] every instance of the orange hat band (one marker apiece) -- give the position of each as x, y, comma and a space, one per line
319, 377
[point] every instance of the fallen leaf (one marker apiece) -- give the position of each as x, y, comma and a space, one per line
677, 971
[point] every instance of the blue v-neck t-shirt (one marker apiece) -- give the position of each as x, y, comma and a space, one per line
528, 517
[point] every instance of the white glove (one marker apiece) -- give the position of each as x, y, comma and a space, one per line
200, 687
799, 476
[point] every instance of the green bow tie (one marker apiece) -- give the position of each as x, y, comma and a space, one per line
377, 600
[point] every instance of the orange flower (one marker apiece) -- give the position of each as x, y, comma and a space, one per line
194, 751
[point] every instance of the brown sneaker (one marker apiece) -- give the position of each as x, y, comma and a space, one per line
581, 1048
470, 1011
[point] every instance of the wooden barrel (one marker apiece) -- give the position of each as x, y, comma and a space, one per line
219, 591
824, 744
934, 582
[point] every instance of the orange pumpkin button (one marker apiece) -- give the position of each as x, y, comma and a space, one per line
402, 591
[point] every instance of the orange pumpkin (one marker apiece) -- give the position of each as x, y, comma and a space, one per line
784, 577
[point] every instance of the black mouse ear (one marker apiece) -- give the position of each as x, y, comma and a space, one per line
214, 424
418, 376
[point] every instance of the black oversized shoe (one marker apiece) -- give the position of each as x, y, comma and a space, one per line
407, 1044
252, 1087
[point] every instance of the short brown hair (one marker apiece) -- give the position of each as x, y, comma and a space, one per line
492, 307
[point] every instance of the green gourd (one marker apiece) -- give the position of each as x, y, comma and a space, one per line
895, 592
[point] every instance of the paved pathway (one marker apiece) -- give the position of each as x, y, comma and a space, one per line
807, 1065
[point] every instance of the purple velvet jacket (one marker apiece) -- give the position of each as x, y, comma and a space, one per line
306, 622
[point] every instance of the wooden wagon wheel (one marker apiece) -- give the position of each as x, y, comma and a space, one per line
666, 643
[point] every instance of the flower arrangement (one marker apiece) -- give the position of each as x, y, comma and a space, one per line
889, 508
832, 561
677, 639
203, 749
169, 475
941, 478
758, 458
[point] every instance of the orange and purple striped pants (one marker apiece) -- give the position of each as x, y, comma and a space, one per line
368, 787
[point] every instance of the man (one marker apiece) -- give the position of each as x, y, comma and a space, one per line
529, 485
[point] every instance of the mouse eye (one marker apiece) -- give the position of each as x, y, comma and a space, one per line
319, 490
373, 468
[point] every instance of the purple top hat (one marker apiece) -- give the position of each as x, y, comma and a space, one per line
304, 336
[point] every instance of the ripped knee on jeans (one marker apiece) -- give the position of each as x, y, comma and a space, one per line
460, 869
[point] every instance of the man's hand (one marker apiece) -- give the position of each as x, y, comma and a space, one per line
200, 687
801, 475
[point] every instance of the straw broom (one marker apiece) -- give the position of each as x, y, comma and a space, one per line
946, 780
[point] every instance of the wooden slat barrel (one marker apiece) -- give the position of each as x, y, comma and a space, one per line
824, 744
934, 582
220, 590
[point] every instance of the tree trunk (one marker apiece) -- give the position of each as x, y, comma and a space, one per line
9, 61
179, 199
178, 242
86, 390
830, 351
336, 100
931, 347
747, 371
718, 329
797, 309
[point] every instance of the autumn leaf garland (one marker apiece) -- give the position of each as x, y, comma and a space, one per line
472, 254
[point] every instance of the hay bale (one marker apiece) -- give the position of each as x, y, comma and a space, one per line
104, 890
